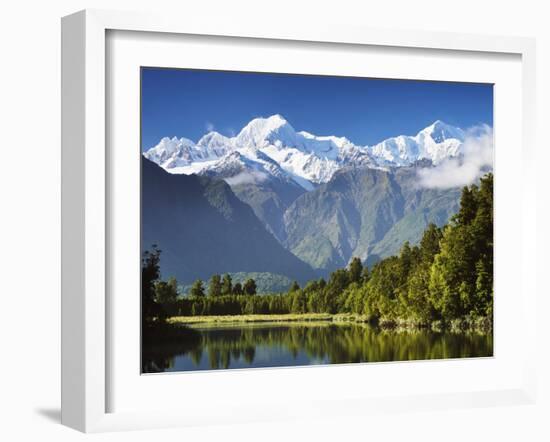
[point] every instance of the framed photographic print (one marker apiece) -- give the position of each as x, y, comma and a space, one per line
270, 210
267, 246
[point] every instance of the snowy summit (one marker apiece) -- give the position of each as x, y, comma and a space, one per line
271, 147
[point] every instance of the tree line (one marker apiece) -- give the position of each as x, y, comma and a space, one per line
448, 275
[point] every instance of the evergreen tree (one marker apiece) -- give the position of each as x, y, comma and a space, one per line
249, 287
150, 274
365, 276
417, 297
355, 270
238, 289
339, 280
197, 289
468, 206
483, 305
227, 285
405, 261
215, 287
429, 244
166, 292
294, 287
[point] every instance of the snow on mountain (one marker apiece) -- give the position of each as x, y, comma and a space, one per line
173, 153
436, 143
262, 132
270, 147
246, 166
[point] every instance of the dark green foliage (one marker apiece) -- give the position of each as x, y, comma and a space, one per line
238, 289
150, 274
468, 206
166, 292
294, 287
461, 279
355, 270
266, 282
227, 285
159, 300
447, 276
249, 287
197, 289
215, 287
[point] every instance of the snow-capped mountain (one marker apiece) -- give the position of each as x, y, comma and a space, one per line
173, 153
436, 143
270, 147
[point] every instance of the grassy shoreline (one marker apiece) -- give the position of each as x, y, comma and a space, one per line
483, 325
224, 319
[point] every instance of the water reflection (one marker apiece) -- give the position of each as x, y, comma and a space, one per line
273, 345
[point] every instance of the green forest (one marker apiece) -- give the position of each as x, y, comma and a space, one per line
448, 276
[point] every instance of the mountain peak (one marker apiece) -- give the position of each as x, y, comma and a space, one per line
277, 119
440, 131
271, 143
272, 122
213, 139
263, 131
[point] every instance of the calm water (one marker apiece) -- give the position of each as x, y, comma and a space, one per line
276, 345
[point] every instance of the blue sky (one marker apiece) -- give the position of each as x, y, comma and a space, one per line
189, 103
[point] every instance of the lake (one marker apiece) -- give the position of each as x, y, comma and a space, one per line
246, 345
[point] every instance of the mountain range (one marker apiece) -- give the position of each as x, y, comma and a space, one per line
303, 204
202, 228
271, 147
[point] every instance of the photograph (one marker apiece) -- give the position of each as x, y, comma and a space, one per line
291, 220
275, 221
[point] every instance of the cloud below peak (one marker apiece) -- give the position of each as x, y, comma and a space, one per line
247, 177
476, 157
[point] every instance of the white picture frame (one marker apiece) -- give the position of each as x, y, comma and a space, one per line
86, 210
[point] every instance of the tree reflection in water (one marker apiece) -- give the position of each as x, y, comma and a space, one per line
230, 346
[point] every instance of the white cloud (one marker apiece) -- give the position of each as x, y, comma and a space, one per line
209, 126
477, 156
247, 178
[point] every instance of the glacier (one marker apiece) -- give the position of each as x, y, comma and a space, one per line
271, 147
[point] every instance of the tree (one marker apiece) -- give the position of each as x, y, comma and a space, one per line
381, 296
416, 299
150, 274
416, 295
238, 289
215, 287
249, 287
429, 244
227, 285
468, 206
452, 275
484, 289
294, 286
355, 270
366, 275
406, 259
197, 289
166, 295
298, 304
166, 292
339, 280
